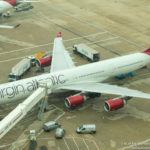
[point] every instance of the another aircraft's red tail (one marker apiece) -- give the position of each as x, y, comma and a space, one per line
17, 25
59, 35
147, 51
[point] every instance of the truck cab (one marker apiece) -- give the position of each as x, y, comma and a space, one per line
33, 60
12, 77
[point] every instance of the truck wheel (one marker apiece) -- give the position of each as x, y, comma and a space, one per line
97, 94
78, 132
75, 52
89, 60
93, 132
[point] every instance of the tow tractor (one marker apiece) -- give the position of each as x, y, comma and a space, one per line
23, 7
44, 88
7, 14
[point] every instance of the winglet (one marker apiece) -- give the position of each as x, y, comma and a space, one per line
147, 51
59, 35
17, 25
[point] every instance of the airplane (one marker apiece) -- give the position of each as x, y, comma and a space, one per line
87, 80
64, 75
8, 4
5, 5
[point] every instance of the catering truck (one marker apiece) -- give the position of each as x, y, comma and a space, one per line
19, 69
89, 53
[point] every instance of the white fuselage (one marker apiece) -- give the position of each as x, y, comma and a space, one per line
95, 72
4, 6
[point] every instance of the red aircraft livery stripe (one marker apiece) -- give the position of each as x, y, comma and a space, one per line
11, 2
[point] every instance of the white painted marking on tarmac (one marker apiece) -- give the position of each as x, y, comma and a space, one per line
22, 49
15, 58
13, 41
104, 40
4, 146
87, 36
75, 143
95, 26
66, 144
85, 144
131, 146
58, 148
59, 116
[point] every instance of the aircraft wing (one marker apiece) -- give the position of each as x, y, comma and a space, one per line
107, 89
61, 59
9, 27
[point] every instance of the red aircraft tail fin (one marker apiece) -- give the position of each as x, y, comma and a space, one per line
59, 35
147, 51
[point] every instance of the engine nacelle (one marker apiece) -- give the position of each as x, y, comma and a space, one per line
114, 104
75, 100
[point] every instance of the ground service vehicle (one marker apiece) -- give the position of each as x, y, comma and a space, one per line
7, 14
19, 69
89, 53
40, 55
122, 76
44, 62
50, 125
23, 7
33, 60
32, 135
60, 132
87, 128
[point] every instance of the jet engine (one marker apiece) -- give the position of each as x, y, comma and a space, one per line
75, 100
114, 104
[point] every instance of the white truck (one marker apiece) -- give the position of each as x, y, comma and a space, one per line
87, 128
89, 53
19, 69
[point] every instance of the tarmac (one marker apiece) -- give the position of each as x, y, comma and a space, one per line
114, 28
